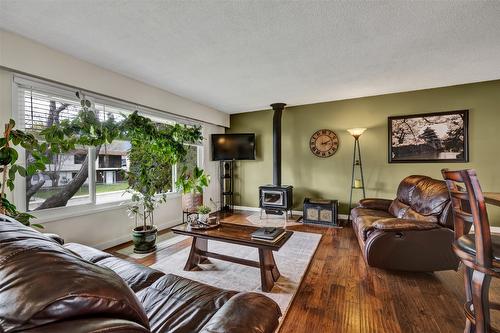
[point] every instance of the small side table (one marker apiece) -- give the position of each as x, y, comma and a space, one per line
321, 211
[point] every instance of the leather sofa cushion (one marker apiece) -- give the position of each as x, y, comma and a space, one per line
364, 225
86, 252
398, 208
41, 282
420, 197
406, 188
136, 276
403, 211
411, 214
239, 313
174, 304
395, 224
430, 197
375, 203
360, 211
364, 219
55, 237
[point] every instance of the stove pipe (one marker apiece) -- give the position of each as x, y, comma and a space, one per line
278, 109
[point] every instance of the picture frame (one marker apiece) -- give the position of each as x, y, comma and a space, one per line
438, 137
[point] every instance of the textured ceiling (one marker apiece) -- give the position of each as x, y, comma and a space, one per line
240, 56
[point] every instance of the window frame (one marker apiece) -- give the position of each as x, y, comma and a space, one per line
59, 213
199, 164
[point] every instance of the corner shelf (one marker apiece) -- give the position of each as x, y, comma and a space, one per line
226, 171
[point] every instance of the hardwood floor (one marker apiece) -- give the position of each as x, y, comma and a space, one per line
341, 294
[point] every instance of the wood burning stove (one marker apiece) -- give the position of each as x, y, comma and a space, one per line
276, 198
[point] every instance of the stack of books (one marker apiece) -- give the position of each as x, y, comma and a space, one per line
268, 234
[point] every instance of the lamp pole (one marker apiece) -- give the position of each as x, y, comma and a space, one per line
356, 161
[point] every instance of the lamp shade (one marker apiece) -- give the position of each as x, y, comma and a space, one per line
356, 132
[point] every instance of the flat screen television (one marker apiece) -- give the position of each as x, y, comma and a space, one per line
227, 147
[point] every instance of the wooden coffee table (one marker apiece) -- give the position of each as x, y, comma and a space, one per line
236, 234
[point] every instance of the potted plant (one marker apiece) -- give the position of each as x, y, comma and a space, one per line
203, 213
191, 185
9, 167
142, 208
154, 148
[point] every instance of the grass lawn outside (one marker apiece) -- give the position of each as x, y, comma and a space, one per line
101, 188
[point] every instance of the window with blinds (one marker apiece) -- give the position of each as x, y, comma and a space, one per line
87, 175
65, 180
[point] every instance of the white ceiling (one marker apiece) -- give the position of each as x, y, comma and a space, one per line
240, 56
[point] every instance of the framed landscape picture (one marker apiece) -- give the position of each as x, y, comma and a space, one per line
430, 137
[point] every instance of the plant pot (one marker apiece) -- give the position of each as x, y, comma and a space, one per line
203, 217
144, 240
191, 201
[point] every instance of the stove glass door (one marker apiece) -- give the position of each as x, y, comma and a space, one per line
272, 198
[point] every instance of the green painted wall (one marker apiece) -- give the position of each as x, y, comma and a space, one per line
330, 177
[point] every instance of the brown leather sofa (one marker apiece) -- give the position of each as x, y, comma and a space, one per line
413, 232
47, 287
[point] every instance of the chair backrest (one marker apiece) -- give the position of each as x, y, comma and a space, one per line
469, 208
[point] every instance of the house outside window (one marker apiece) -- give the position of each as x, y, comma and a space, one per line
79, 158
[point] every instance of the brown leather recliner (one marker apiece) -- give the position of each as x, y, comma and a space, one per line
47, 287
413, 232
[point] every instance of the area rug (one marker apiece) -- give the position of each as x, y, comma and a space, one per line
272, 220
292, 259
162, 242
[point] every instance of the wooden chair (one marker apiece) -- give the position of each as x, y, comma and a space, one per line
479, 252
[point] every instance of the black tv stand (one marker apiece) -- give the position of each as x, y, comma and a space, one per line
226, 172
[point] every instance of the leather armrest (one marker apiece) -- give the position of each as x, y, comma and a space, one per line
55, 237
395, 224
375, 203
245, 313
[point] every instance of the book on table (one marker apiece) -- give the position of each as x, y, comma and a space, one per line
268, 234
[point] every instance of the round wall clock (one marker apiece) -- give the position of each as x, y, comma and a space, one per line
324, 143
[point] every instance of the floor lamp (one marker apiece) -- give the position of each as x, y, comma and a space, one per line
356, 184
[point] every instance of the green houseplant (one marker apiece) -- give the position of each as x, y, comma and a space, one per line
203, 213
154, 149
9, 166
191, 185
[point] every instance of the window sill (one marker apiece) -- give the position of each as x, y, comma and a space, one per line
60, 213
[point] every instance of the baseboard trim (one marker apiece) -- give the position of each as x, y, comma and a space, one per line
128, 237
295, 212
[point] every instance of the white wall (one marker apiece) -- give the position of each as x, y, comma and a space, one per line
212, 168
111, 226
27, 56
105, 226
